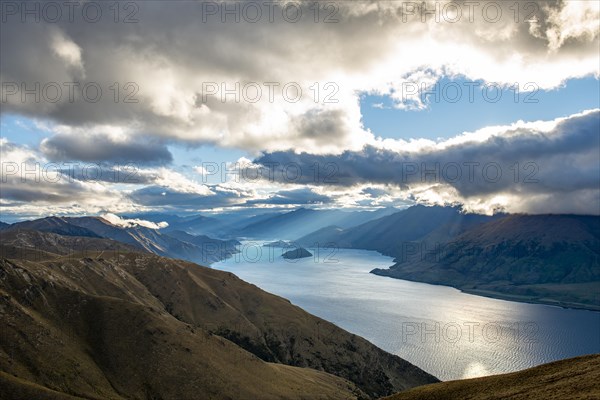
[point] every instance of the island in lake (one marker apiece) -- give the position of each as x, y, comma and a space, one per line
299, 252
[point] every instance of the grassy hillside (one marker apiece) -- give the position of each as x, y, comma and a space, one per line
552, 259
200, 249
573, 379
122, 324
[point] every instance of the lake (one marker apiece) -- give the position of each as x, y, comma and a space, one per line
450, 334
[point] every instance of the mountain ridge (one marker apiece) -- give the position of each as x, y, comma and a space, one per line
196, 248
550, 259
113, 324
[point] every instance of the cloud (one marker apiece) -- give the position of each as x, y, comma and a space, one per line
302, 196
179, 76
66, 49
108, 145
130, 223
158, 75
34, 186
538, 167
159, 197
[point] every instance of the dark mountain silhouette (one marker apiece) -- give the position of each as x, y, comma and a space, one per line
125, 324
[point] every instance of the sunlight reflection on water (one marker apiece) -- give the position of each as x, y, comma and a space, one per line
448, 333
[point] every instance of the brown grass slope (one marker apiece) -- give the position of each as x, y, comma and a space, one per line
574, 378
551, 259
120, 324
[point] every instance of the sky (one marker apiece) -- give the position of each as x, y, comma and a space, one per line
187, 107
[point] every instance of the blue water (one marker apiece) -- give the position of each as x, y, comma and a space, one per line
449, 334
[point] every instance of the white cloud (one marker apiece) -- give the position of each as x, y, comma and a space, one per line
171, 56
130, 223
168, 61
179, 183
66, 49
537, 167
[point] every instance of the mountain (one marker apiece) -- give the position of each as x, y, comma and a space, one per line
204, 250
3, 225
58, 225
200, 225
330, 235
126, 324
270, 224
160, 243
194, 224
393, 234
222, 226
203, 240
36, 245
303, 221
572, 379
552, 259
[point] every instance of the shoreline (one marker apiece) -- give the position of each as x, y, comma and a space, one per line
503, 296
525, 299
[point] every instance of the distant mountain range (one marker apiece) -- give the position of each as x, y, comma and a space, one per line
263, 225
391, 234
552, 259
303, 221
177, 244
119, 323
